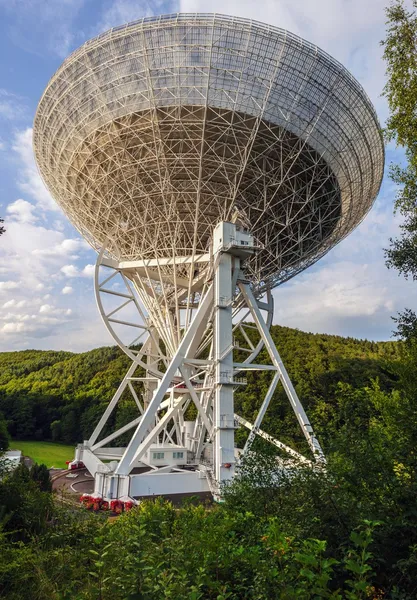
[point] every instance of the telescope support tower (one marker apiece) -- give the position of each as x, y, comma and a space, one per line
170, 453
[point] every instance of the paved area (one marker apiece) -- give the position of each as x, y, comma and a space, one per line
64, 481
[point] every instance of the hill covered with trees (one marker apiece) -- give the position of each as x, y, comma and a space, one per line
60, 395
349, 532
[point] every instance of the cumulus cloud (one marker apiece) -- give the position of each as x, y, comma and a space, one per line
49, 309
67, 290
88, 271
6, 286
70, 271
29, 180
46, 308
21, 211
16, 303
67, 248
73, 271
13, 327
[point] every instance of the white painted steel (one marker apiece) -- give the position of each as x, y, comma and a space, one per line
224, 461
134, 449
261, 412
286, 381
151, 133
112, 404
153, 138
269, 438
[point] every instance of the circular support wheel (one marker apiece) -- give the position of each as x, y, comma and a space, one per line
123, 315
127, 321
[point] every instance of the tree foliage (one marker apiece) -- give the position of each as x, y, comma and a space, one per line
400, 54
346, 533
61, 396
4, 435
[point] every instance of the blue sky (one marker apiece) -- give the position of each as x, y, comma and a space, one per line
46, 287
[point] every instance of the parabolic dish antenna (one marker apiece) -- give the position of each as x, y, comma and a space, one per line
207, 159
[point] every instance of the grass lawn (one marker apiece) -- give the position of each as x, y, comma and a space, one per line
49, 453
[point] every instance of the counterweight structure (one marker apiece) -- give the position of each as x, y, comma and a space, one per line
207, 159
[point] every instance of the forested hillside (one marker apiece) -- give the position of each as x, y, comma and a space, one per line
60, 396
346, 533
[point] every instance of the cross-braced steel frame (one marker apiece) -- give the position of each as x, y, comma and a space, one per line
152, 134
155, 131
189, 361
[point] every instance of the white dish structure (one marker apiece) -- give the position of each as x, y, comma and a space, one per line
207, 159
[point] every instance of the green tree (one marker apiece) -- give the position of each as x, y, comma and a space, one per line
400, 54
40, 475
4, 435
69, 427
56, 430
24, 507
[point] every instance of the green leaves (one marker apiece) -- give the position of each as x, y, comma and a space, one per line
400, 54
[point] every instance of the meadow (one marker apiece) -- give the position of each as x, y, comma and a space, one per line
50, 454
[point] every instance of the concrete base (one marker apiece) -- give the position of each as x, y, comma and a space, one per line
149, 483
166, 484
145, 480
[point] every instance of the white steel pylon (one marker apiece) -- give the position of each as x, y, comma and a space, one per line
185, 312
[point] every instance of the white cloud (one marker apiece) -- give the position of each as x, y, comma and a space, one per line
49, 309
13, 302
9, 303
12, 327
5, 286
29, 180
22, 252
70, 271
21, 211
88, 271
66, 248
73, 271
67, 290
46, 308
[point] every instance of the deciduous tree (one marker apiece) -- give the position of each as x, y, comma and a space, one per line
400, 54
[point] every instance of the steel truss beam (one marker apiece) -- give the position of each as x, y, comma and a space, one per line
203, 369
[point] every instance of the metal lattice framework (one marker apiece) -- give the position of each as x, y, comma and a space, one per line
153, 132
207, 159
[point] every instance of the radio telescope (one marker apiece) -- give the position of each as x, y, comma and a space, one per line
207, 159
